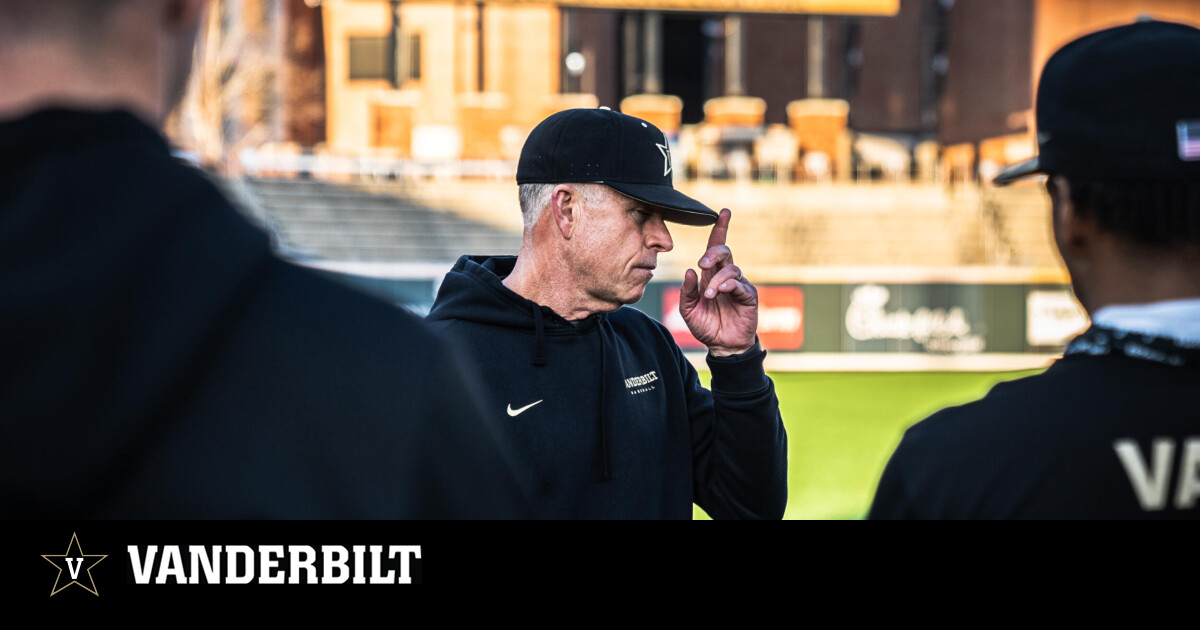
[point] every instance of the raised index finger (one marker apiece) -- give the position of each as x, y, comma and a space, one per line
721, 229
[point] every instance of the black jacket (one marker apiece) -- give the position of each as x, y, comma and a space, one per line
1100, 434
159, 362
607, 416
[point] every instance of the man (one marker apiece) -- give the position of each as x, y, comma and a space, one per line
608, 417
1111, 430
158, 361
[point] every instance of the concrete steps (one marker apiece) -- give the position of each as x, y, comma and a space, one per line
773, 225
315, 219
1025, 228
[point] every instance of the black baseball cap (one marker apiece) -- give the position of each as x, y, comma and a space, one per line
1122, 103
601, 146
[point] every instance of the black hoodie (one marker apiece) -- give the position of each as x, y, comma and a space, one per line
607, 416
159, 362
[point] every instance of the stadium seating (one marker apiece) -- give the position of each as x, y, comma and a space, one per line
1022, 218
781, 227
776, 228
314, 219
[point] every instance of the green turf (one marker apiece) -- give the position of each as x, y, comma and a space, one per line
843, 427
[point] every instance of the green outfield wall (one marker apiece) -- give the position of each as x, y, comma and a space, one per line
870, 318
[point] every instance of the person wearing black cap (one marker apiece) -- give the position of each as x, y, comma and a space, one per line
605, 413
159, 361
1112, 429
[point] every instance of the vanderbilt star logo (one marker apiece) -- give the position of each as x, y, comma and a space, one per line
513, 413
666, 153
74, 561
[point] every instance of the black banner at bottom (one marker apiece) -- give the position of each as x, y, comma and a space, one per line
97, 565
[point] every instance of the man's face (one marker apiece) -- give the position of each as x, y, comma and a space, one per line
617, 247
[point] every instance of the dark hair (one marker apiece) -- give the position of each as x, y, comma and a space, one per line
1155, 212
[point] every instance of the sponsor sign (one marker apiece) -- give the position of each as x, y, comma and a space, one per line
780, 318
1053, 318
912, 318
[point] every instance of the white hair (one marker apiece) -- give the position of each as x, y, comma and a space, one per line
535, 198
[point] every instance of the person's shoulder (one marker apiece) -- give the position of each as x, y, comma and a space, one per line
132, 164
963, 436
326, 350
1006, 404
370, 390
946, 463
1080, 403
1003, 456
340, 316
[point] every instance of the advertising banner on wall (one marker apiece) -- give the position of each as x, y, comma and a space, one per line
926, 318
1054, 317
947, 319
780, 318
943, 319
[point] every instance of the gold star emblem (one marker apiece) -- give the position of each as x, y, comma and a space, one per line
75, 563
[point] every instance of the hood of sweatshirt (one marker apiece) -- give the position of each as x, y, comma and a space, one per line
118, 268
473, 291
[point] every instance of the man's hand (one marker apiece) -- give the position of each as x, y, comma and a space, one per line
725, 317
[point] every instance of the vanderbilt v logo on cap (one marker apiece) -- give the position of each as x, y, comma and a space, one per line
601, 146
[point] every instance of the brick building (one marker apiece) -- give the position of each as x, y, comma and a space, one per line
436, 79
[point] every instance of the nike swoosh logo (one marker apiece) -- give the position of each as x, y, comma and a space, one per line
513, 413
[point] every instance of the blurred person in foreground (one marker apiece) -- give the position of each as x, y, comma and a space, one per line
1111, 430
607, 416
158, 361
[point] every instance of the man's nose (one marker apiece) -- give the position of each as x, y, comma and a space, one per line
658, 236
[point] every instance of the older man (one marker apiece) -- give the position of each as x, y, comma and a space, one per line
158, 361
605, 412
1111, 430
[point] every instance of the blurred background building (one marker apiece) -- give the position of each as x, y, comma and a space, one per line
854, 140
870, 87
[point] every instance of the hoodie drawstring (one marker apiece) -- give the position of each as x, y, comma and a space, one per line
539, 341
605, 459
539, 360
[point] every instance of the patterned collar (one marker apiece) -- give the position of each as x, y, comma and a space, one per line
1099, 340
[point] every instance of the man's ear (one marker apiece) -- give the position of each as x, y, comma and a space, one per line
564, 208
1071, 231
